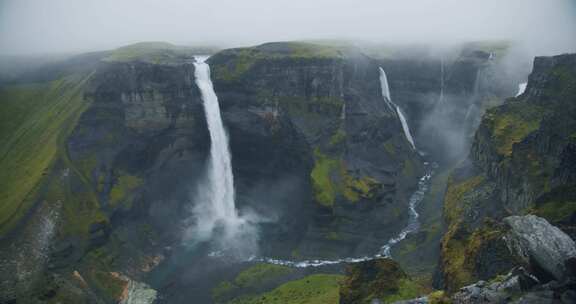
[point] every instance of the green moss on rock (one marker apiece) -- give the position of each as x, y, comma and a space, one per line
322, 181
259, 273
331, 179
153, 52
377, 279
454, 194
557, 206
124, 185
461, 251
241, 60
511, 123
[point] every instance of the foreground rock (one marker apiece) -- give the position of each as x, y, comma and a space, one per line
537, 242
500, 290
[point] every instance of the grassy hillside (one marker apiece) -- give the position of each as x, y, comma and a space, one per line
155, 52
33, 118
313, 289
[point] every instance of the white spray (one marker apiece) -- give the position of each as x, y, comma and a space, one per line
521, 88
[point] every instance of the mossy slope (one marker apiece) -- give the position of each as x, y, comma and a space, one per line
313, 289
34, 121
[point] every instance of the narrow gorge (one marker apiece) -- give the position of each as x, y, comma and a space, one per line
290, 172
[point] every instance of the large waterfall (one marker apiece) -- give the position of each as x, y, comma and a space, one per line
215, 211
386, 95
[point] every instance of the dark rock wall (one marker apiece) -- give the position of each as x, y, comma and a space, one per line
320, 123
521, 160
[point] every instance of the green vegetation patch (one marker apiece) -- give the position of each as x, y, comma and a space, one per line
453, 200
558, 205
251, 278
153, 52
356, 188
455, 244
377, 279
438, 297
125, 184
313, 289
241, 60
407, 289
260, 273
33, 120
325, 188
331, 178
511, 123
460, 251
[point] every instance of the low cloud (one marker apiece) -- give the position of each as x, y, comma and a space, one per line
29, 26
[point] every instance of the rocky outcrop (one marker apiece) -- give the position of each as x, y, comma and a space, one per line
376, 281
312, 118
444, 93
500, 290
541, 244
519, 164
526, 145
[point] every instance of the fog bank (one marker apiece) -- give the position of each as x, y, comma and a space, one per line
53, 26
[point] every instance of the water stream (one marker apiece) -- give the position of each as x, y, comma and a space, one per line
384, 252
394, 107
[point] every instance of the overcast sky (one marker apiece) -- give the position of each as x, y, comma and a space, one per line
37, 26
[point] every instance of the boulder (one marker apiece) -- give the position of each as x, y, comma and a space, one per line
541, 245
499, 290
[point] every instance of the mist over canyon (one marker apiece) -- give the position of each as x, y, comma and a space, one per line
326, 152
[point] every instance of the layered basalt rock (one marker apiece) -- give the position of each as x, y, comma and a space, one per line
521, 162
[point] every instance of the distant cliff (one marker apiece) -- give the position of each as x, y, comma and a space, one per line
522, 161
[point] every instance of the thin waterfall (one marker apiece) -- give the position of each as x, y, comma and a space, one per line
521, 88
386, 95
474, 98
385, 89
413, 216
215, 210
441, 98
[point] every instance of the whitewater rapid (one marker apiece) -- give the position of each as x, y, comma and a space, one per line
394, 107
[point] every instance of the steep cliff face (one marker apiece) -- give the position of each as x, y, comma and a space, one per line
521, 161
527, 146
444, 94
131, 142
347, 149
316, 153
